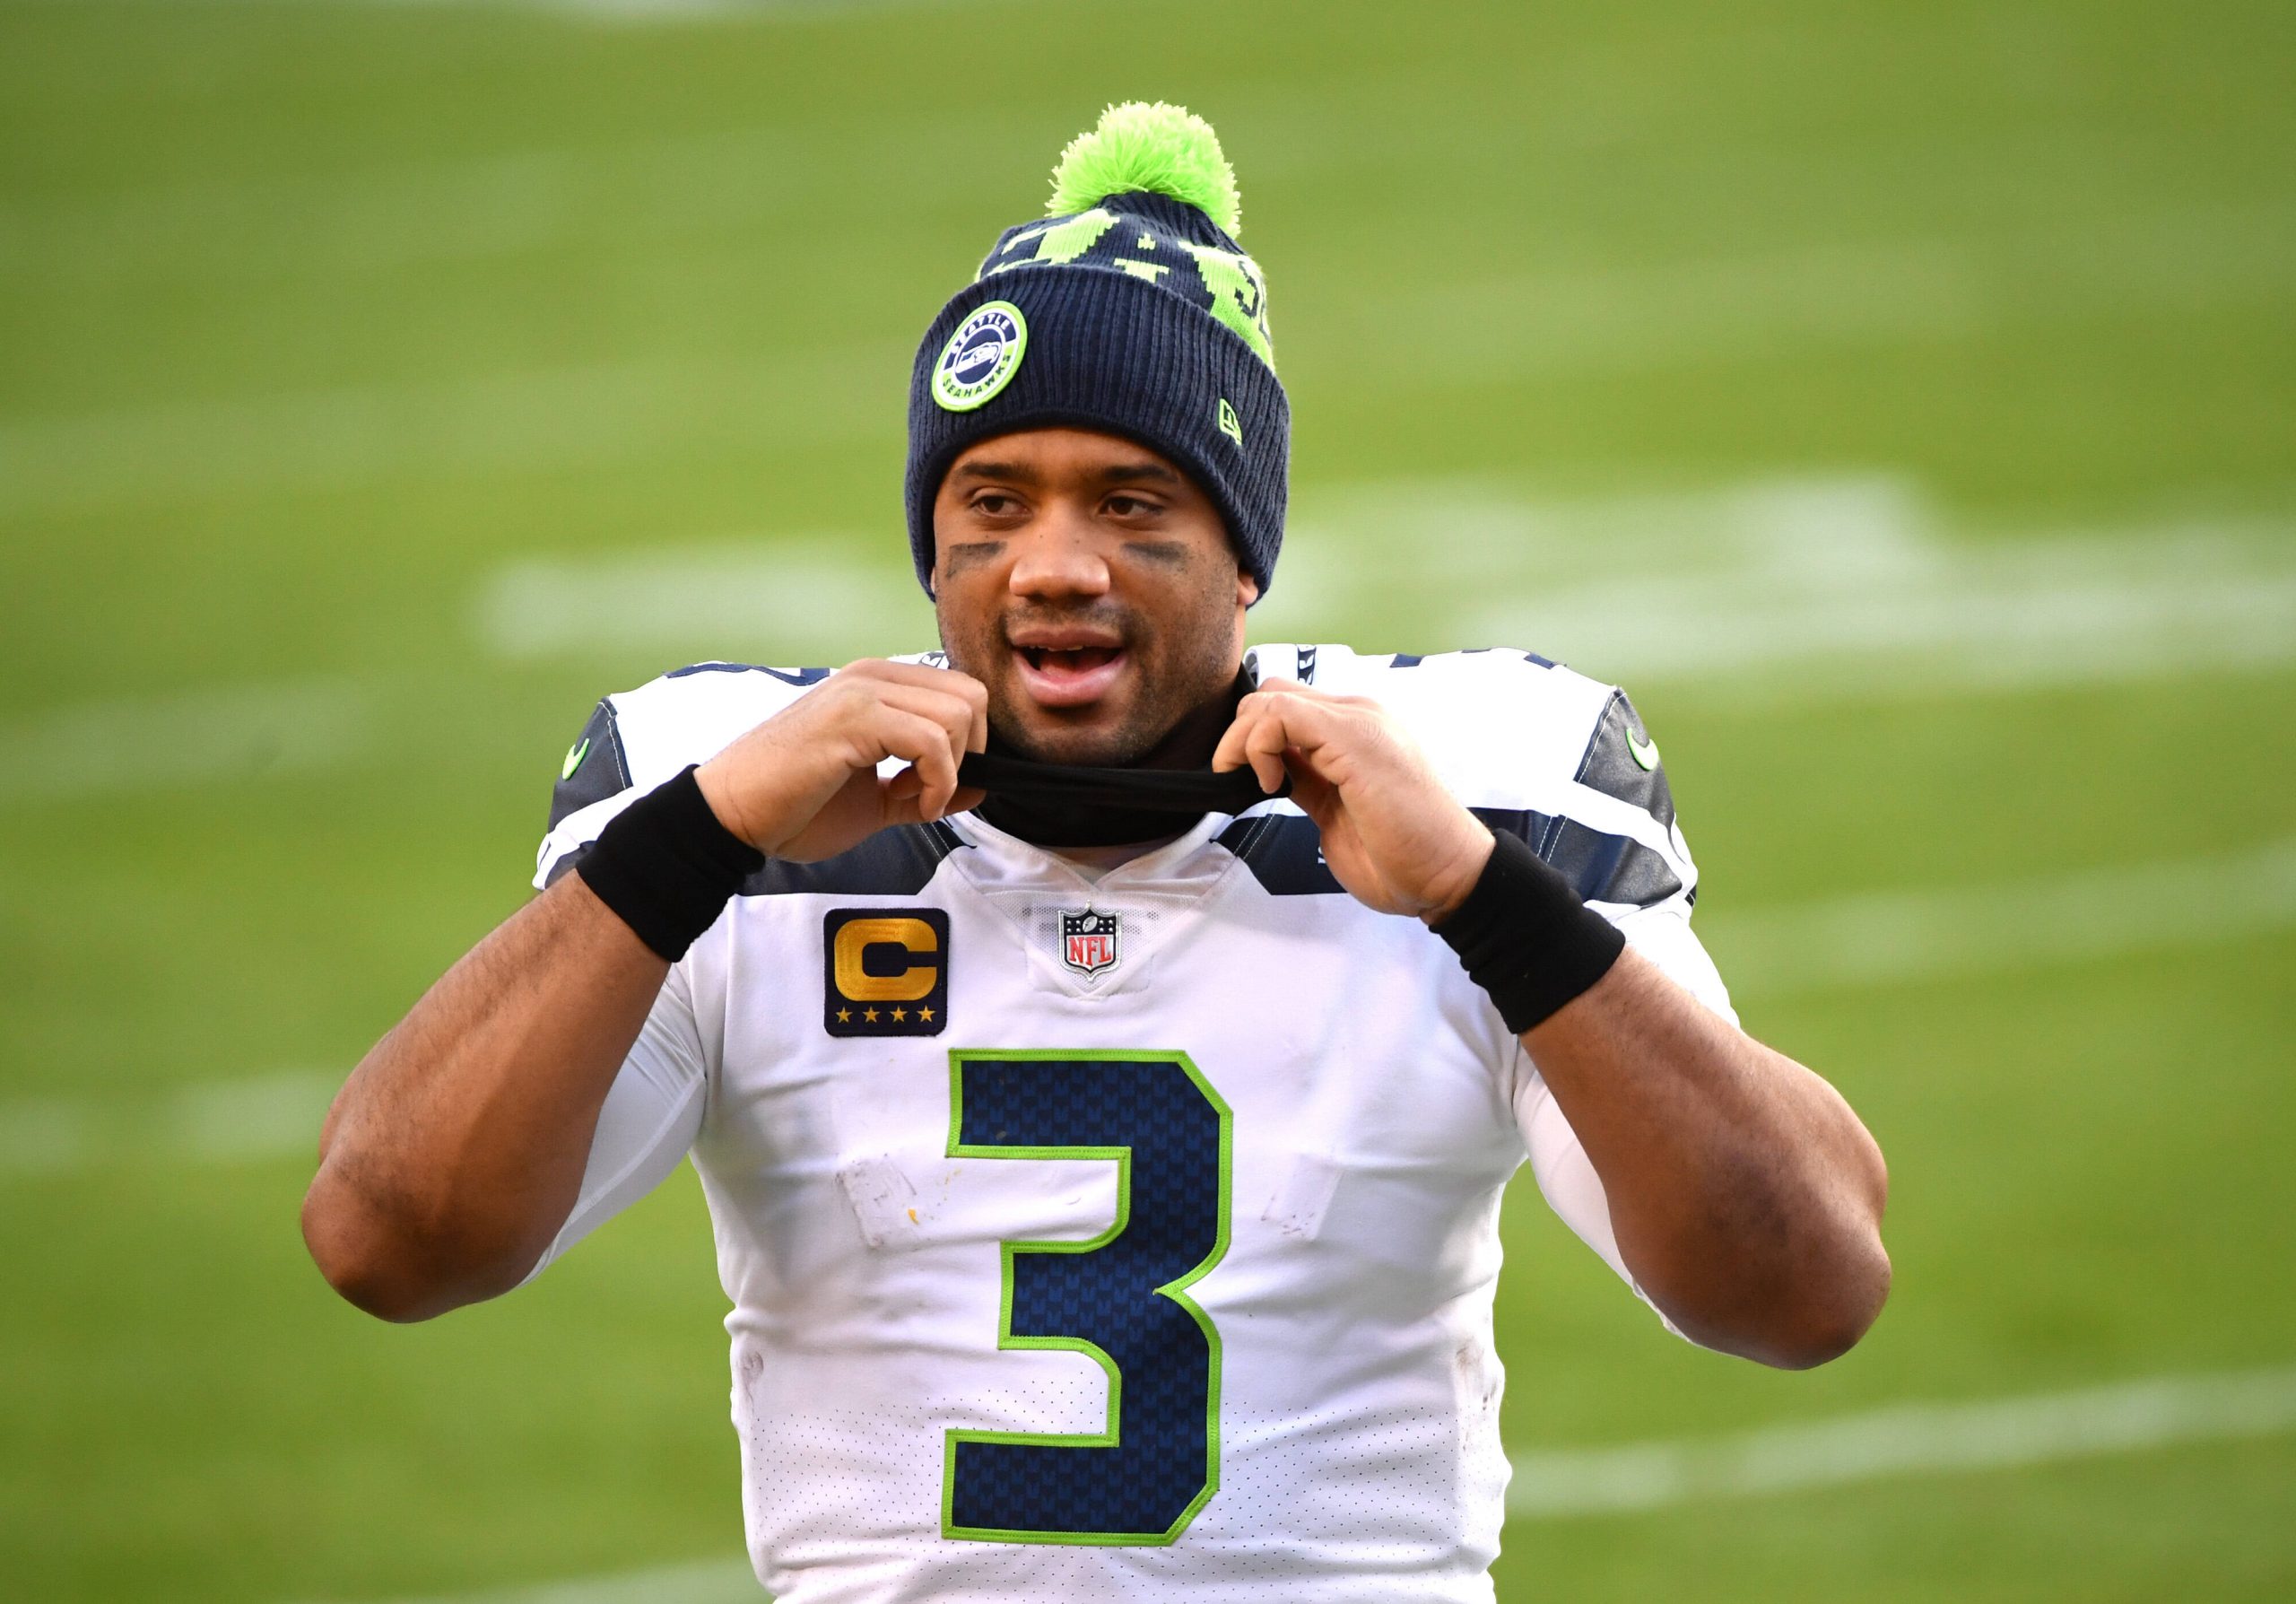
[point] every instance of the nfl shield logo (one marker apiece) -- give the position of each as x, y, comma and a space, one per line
1088, 941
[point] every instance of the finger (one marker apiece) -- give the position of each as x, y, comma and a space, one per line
1235, 747
954, 681
899, 797
976, 696
923, 745
1228, 751
896, 800
955, 714
1266, 744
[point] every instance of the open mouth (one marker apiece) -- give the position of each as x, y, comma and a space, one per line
1068, 675
1068, 659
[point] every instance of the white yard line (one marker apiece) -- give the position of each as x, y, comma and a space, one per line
715, 602
1789, 590
1786, 591
1911, 1439
2077, 614
265, 1117
144, 744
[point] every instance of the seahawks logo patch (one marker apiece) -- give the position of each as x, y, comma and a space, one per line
980, 358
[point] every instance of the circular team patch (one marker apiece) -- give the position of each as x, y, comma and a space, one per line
981, 357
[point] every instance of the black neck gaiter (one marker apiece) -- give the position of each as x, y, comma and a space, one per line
1066, 805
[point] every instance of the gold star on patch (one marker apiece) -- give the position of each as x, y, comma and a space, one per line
899, 1015
869, 1015
845, 1016
925, 1014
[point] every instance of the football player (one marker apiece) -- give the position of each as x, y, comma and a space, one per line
1104, 1048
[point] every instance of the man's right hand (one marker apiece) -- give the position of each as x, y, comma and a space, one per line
804, 785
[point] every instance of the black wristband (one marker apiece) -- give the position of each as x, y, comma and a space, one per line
666, 867
1526, 938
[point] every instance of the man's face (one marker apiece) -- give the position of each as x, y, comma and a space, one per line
1090, 585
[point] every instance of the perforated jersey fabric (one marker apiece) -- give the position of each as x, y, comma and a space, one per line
1172, 1271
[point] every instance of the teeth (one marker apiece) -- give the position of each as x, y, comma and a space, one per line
1067, 657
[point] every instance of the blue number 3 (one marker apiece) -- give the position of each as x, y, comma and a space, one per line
1121, 1297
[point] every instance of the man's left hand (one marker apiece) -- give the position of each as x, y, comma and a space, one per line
1394, 837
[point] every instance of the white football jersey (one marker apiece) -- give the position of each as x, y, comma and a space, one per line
1128, 1236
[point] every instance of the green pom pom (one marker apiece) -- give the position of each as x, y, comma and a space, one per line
1148, 145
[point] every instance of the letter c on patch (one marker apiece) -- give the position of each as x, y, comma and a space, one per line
857, 937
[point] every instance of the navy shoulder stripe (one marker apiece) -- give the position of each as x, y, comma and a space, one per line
1412, 660
1622, 761
891, 863
788, 676
1602, 868
595, 769
1284, 852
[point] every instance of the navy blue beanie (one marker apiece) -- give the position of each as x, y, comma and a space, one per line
1130, 311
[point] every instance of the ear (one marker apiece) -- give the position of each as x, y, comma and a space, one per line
1246, 588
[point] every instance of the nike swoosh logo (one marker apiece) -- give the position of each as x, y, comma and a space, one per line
582, 750
1646, 753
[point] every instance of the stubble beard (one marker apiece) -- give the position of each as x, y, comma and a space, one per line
1196, 665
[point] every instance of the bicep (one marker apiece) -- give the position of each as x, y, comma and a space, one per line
1566, 1176
651, 1116
1568, 1182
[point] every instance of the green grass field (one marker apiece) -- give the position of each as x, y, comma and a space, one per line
1901, 399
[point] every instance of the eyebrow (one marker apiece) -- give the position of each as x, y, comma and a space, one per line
1008, 473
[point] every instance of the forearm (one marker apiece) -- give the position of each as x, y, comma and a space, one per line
1745, 1195
457, 1147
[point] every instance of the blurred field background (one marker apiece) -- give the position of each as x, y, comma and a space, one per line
1898, 398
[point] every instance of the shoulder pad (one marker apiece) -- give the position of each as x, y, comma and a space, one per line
1622, 761
596, 765
1500, 726
642, 737
1544, 753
